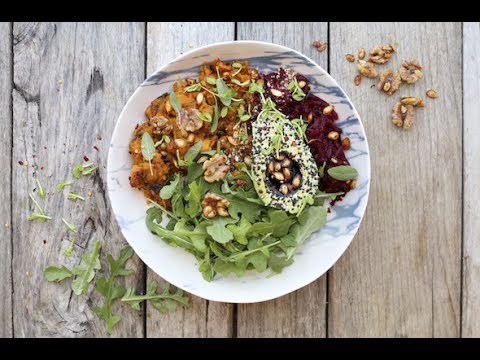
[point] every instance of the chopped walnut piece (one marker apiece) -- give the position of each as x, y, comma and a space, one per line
214, 205
187, 120
320, 46
411, 71
403, 115
389, 81
412, 100
367, 68
215, 168
382, 54
161, 125
432, 94
361, 54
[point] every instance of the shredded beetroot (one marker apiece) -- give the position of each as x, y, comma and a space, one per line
325, 151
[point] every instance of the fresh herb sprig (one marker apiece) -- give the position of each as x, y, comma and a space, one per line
148, 149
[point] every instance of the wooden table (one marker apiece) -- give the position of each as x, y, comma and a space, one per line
413, 269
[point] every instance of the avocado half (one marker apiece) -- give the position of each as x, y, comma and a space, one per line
271, 188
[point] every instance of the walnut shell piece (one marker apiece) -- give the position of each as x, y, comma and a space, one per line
411, 71
382, 54
389, 81
214, 205
412, 100
161, 125
403, 115
367, 68
215, 168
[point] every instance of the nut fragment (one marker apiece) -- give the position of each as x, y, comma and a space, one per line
180, 143
309, 117
432, 94
271, 167
411, 71
327, 110
199, 98
346, 143
247, 160
403, 115
389, 81
190, 138
276, 92
361, 54
302, 84
286, 163
382, 54
215, 168
202, 159
367, 68
278, 166
350, 57
353, 184
333, 135
287, 173
320, 46
214, 204
357, 80
168, 106
232, 140
412, 100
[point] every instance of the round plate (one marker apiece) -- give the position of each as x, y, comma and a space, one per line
180, 268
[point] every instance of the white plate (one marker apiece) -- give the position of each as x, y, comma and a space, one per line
180, 268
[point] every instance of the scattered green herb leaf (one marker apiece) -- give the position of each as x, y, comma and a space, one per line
69, 250
148, 149
40, 192
54, 273
343, 172
175, 101
62, 184
73, 195
193, 87
168, 190
86, 273
70, 227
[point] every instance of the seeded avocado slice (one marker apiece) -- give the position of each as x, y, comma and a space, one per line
275, 141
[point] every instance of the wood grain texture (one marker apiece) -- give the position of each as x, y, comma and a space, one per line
471, 183
302, 313
70, 84
6, 289
401, 274
166, 41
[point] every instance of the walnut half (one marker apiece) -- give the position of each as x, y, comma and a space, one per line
411, 71
382, 54
367, 68
215, 168
403, 115
214, 205
389, 81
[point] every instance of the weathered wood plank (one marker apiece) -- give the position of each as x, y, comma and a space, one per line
302, 313
471, 185
401, 275
70, 83
5, 182
165, 41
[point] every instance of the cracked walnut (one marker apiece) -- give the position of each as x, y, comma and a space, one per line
214, 205
389, 81
403, 115
215, 168
411, 71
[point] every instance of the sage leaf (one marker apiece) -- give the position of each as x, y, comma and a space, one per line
175, 101
148, 149
192, 153
343, 172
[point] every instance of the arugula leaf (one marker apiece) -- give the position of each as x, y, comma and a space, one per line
62, 184
240, 230
194, 171
311, 220
86, 273
278, 226
39, 216
110, 290
216, 228
241, 206
206, 267
343, 172
227, 267
321, 170
192, 152
148, 149
164, 302
175, 101
277, 263
154, 216
40, 192
171, 237
194, 198
54, 273
167, 191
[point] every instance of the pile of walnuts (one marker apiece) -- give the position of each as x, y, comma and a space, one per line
390, 80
